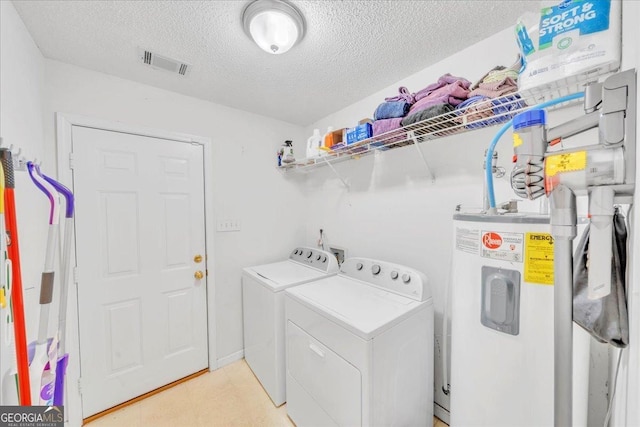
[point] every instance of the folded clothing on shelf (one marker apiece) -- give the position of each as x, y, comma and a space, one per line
498, 73
443, 81
428, 113
447, 90
403, 95
436, 120
386, 125
391, 110
484, 111
495, 88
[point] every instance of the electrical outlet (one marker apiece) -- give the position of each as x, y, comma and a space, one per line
228, 225
340, 253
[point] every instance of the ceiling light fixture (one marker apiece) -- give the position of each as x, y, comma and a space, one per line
274, 25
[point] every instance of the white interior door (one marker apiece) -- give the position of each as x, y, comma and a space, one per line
139, 227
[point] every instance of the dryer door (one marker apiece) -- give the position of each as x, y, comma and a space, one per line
329, 380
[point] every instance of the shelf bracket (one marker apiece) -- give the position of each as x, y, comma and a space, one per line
336, 173
412, 136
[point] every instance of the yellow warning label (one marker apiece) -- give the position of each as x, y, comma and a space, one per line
538, 258
565, 163
517, 140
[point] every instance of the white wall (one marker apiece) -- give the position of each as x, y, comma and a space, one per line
247, 185
21, 124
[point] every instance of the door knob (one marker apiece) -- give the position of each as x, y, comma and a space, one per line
198, 274
197, 258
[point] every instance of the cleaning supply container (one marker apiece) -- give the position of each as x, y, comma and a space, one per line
328, 139
314, 144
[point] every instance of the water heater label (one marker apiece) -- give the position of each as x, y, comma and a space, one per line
503, 246
538, 261
468, 240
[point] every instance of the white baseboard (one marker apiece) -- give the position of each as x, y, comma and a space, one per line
224, 361
441, 413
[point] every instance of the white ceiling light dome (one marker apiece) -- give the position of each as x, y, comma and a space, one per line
274, 25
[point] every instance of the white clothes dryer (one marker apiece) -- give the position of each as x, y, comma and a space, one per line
263, 312
360, 347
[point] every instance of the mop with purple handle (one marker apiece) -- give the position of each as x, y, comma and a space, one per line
41, 369
61, 367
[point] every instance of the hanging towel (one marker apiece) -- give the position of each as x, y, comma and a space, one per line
403, 95
606, 318
391, 110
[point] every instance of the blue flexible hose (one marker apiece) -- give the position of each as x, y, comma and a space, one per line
503, 129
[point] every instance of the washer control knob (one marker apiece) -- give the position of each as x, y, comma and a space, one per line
319, 257
406, 278
324, 259
310, 253
375, 269
394, 275
359, 266
295, 252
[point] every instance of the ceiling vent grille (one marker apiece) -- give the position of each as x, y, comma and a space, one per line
165, 63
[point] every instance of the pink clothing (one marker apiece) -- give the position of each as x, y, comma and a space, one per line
453, 94
386, 125
443, 81
496, 89
403, 95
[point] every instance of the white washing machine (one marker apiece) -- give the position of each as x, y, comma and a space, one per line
360, 347
263, 312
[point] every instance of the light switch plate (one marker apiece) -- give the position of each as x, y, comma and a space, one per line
228, 225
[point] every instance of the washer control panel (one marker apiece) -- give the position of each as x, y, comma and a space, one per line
316, 258
396, 278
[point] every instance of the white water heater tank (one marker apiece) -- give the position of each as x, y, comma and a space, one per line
502, 324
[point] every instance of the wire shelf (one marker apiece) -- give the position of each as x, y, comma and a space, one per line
479, 115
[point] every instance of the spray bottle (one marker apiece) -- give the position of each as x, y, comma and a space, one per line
286, 153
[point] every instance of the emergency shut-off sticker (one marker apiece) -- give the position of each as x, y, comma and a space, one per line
503, 246
538, 261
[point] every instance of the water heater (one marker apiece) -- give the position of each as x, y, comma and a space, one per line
502, 324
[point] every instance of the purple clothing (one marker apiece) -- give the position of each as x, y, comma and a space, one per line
443, 81
452, 94
403, 95
386, 125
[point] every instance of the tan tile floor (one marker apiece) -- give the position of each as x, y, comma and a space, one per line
231, 396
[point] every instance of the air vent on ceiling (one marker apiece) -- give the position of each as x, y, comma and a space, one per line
164, 63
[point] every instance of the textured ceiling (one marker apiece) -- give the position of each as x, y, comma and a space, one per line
351, 48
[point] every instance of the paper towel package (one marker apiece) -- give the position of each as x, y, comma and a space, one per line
570, 39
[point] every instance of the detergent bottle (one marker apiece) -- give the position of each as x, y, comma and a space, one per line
328, 139
313, 145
